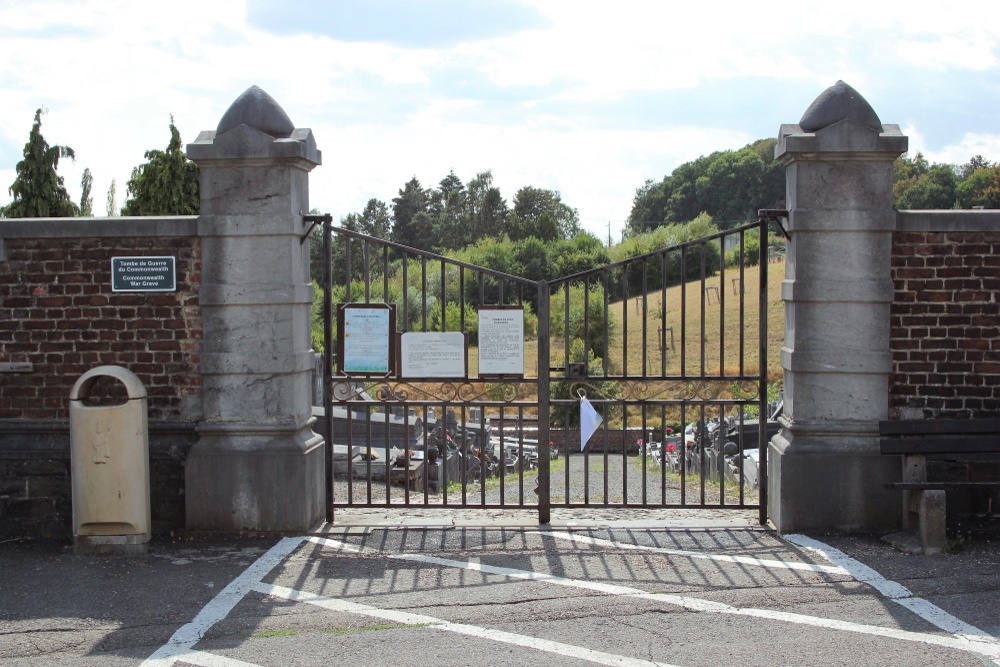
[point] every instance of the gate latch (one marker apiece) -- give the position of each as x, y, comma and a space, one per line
315, 220
775, 215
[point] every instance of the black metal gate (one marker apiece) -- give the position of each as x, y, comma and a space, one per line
451, 385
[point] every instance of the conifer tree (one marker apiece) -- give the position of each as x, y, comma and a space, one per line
37, 190
86, 201
112, 200
167, 184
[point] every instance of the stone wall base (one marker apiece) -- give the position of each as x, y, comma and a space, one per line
260, 482
826, 482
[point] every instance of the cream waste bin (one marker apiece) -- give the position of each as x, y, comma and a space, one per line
109, 451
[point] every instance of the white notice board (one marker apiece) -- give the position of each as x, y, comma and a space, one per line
433, 354
501, 341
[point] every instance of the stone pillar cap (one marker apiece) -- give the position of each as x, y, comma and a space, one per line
836, 103
255, 126
840, 120
256, 109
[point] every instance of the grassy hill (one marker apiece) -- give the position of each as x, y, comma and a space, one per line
721, 318
710, 335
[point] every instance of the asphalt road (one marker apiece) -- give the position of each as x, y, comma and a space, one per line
616, 595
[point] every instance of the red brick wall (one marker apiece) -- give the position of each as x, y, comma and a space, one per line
57, 312
945, 325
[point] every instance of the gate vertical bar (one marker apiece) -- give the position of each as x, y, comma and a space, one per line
762, 441
544, 414
328, 359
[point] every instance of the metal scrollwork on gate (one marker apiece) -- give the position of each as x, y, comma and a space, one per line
346, 390
444, 392
681, 390
585, 388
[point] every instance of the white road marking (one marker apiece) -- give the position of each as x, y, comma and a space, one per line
182, 642
395, 616
965, 637
898, 593
722, 558
205, 659
696, 604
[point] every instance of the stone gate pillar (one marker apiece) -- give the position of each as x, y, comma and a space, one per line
824, 467
258, 466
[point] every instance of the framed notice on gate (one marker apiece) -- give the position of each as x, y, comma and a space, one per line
501, 341
433, 354
366, 336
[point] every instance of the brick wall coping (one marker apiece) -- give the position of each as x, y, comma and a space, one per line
948, 221
145, 226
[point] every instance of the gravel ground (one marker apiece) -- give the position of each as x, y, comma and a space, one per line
594, 479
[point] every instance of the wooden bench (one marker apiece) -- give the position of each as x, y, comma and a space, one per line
914, 440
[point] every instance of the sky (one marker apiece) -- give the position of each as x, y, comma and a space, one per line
590, 99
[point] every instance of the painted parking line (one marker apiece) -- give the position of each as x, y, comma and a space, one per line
698, 555
896, 592
963, 636
180, 648
181, 644
842, 564
434, 623
990, 650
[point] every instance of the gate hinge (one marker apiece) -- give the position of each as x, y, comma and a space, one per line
315, 220
775, 215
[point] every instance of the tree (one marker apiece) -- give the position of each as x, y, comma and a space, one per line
730, 186
649, 206
450, 190
581, 253
486, 208
975, 163
541, 214
934, 189
167, 184
112, 201
38, 191
412, 200
374, 219
448, 209
86, 201
980, 188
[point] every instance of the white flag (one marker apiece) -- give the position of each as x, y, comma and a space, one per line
589, 421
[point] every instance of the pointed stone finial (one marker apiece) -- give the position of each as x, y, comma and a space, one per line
836, 103
256, 109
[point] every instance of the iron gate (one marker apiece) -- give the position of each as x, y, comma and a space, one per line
453, 385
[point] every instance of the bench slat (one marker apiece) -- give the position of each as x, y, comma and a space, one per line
938, 426
942, 444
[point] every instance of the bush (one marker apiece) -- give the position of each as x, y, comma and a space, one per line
587, 318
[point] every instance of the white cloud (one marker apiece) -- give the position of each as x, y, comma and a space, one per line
972, 51
111, 73
597, 171
959, 152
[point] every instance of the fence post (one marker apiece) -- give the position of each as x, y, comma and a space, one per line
258, 466
544, 410
824, 468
